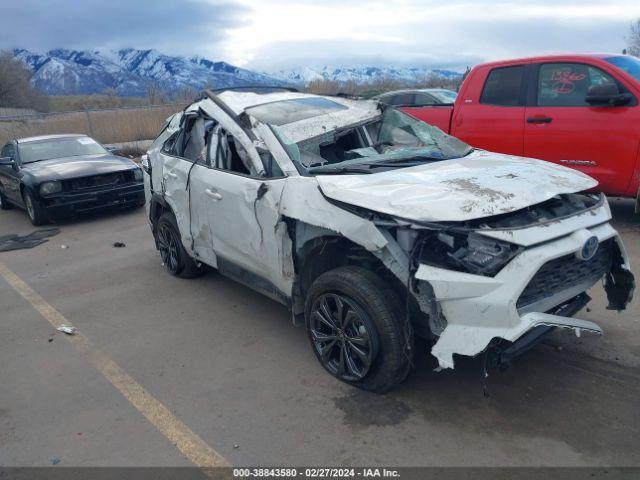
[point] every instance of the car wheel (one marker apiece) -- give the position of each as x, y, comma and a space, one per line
358, 330
34, 210
4, 203
174, 256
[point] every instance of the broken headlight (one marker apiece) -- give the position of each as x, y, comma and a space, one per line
472, 253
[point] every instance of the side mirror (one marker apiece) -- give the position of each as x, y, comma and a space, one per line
607, 94
111, 148
7, 161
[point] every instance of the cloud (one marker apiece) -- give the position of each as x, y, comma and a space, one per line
273, 34
452, 33
174, 27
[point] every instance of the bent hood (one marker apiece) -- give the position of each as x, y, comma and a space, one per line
73, 167
482, 184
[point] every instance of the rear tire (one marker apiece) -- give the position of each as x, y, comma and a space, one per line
4, 203
174, 256
36, 213
366, 326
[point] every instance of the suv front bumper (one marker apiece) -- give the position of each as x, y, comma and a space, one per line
479, 309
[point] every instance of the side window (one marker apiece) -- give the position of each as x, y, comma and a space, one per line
9, 150
425, 99
169, 146
402, 99
226, 153
504, 87
566, 84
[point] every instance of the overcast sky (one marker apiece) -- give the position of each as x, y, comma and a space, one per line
272, 34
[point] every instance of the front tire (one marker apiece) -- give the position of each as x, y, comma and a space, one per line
174, 256
34, 210
358, 330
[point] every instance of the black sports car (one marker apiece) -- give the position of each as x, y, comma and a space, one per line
60, 175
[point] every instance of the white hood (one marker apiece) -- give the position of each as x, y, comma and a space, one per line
479, 185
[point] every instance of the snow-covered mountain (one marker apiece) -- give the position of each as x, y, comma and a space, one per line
130, 71
362, 75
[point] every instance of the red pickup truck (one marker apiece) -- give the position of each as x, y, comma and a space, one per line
581, 111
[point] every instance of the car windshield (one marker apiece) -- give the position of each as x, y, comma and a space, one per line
59, 148
393, 141
631, 65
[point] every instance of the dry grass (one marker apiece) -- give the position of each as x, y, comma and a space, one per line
106, 126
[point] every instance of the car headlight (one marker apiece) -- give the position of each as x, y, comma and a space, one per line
138, 175
49, 188
467, 252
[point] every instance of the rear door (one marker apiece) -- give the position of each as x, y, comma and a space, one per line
562, 127
183, 158
492, 118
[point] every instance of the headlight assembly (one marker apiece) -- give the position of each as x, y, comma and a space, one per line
138, 175
472, 253
49, 188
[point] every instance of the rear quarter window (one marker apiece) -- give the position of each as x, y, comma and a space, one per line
504, 87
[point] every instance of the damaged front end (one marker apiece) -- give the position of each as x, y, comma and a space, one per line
505, 282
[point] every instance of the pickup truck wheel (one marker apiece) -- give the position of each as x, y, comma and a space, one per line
357, 329
174, 256
4, 203
34, 210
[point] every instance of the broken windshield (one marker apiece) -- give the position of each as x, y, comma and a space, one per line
392, 141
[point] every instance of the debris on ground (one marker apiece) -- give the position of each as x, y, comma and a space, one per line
18, 242
55, 461
51, 339
68, 329
64, 247
236, 446
119, 245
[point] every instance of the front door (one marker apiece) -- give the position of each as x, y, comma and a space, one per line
9, 182
249, 241
563, 128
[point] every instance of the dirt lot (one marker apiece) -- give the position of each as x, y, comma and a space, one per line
173, 372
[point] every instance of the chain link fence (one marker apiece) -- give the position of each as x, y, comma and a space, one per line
111, 125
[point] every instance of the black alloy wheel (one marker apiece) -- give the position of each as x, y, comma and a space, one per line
343, 336
168, 246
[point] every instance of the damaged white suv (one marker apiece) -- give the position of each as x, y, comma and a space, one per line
375, 227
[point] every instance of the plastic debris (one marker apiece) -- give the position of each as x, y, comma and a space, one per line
119, 245
64, 246
55, 461
68, 329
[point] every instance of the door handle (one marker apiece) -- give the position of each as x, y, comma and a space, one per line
212, 194
539, 119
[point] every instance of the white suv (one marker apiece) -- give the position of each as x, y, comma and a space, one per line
375, 227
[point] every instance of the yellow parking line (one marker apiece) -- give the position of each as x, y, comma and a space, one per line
185, 440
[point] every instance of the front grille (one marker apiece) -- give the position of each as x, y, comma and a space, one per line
98, 181
565, 272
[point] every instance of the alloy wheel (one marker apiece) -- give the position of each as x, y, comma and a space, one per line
168, 246
29, 204
342, 335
